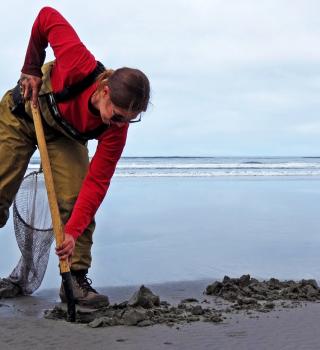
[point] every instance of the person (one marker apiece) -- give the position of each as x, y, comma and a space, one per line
79, 100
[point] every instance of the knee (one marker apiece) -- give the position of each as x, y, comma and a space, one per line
4, 216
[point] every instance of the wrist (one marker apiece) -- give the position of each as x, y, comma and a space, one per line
32, 70
70, 235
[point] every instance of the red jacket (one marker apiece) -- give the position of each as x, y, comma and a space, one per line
74, 62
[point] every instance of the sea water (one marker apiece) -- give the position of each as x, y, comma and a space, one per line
183, 218
213, 166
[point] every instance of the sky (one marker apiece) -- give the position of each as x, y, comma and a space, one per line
228, 77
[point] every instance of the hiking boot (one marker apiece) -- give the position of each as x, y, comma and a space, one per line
83, 293
9, 289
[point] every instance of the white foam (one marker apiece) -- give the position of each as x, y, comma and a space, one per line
213, 167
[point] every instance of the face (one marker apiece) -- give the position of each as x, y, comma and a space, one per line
111, 114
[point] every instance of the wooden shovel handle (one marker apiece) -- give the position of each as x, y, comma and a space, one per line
53, 203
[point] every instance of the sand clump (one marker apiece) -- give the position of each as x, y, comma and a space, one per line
249, 294
230, 296
143, 309
246, 289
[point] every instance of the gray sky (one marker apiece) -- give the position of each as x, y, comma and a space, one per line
228, 77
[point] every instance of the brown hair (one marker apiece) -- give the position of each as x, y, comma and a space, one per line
129, 88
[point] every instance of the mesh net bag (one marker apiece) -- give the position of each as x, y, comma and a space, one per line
33, 230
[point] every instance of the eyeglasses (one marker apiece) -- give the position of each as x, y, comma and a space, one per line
122, 119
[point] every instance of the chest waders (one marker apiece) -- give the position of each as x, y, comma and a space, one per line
32, 221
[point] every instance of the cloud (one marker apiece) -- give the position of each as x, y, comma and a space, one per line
226, 75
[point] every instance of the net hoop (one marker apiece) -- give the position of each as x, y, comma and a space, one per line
16, 210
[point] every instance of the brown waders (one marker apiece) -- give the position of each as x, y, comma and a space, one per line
69, 162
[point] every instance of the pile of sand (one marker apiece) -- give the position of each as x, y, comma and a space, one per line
143, 309
236, 294
246, 289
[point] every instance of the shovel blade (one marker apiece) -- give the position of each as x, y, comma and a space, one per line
71, 305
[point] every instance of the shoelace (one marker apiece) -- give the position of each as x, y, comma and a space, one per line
85, 283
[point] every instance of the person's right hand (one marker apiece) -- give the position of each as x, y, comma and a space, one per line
30, 85
66, 248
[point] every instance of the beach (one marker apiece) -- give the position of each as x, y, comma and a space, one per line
176, 235
208, 237
23, 326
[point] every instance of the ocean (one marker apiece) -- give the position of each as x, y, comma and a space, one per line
214, 166
188, 218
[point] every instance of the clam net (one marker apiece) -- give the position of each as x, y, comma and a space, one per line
33, 231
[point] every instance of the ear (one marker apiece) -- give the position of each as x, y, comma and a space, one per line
106, 90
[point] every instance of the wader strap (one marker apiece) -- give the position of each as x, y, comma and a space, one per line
70, 92
67, 127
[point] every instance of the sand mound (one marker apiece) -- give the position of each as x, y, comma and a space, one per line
143, 309
230, 296
236, 289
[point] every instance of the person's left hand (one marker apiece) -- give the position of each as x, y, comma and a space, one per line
66, 248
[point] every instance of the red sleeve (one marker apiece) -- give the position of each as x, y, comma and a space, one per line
73, 59
97, 181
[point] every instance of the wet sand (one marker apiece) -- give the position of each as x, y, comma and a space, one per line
24, 327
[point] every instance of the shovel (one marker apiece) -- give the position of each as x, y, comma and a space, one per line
55, 215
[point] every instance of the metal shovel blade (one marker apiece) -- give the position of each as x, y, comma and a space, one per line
71, 305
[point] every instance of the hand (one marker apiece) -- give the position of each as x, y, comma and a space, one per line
66, 248
30, 85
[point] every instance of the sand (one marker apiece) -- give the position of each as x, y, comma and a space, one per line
294, 326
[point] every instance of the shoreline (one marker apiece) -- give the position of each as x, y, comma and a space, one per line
23, 325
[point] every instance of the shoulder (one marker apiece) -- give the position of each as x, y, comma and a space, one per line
48, 10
